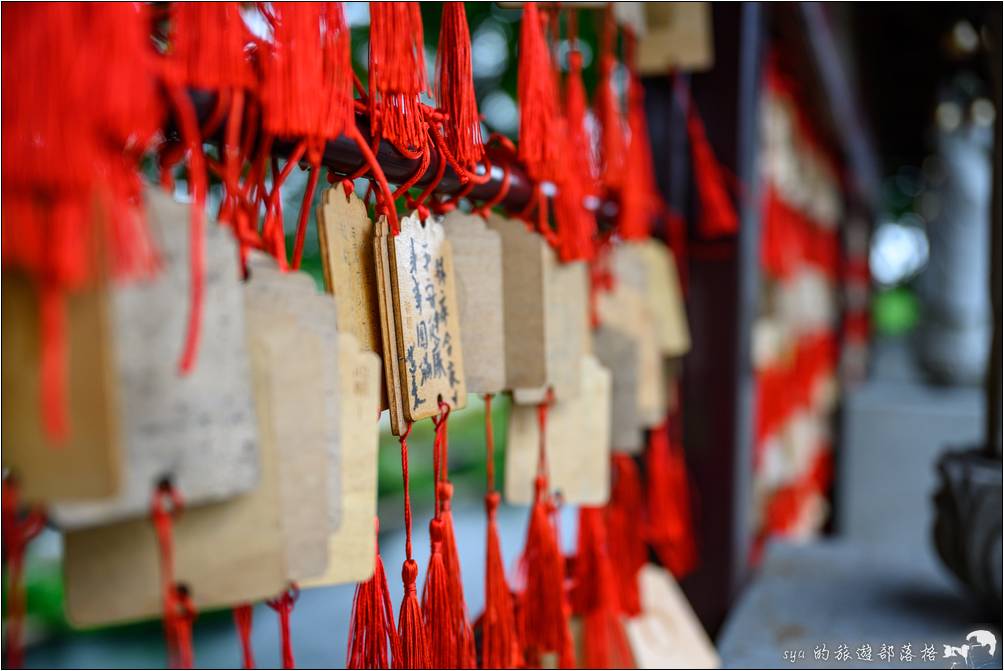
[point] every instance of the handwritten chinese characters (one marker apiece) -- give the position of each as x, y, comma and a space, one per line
426, 319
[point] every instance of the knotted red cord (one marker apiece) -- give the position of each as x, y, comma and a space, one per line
243, 616
436, 603
668, 525
18, 531
595, 596
414, 653
625, 532
500, 646
179, 611
372, 623
283, 605
466, 655
544, 607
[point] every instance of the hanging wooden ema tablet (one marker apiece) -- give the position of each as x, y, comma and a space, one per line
626, 308
236, 550
566, 329
617, 352
477, 262
88, 463
421, 312
350, 547
578, 443
198, 429
345, 235
664, 298
305, 398
524, 256
667, 634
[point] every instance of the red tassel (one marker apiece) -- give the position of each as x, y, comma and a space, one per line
455, 87
626, 542
608, 112
372, 624
17, 533
283, 605
717, 213
576, 223
207, 45
544, 607
668, 527
594, 596
243, 617
451, 640
436, 606
397, 74
90, 106
500, 646
414, 649
307, 88
639, 197
540, 141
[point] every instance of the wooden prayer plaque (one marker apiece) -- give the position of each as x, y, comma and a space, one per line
667, 634
577, 443
566, 332
665, 299
304, 389
477, 261
351, 547
524, 255
345, 234
617, 352
429, 350
198, 429
388, 329
227, 553
88, 464
315, 313
678, 36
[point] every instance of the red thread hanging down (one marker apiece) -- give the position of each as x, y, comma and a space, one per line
397, 74
17, 533
455, 87
717, 216
608, 109
639, 196
411, 629
283, 605
465, 655
500, 645
668, 519
539, 132
243, 617
544, 607
626, 542
179, 610
307, 88
595, 596
436, 605
372, 625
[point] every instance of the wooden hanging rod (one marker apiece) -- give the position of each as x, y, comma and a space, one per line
342, 156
